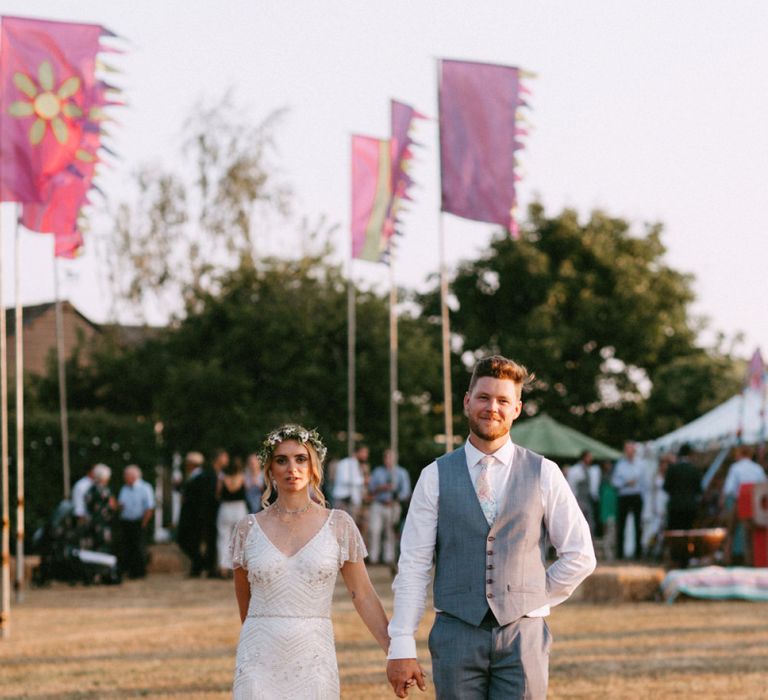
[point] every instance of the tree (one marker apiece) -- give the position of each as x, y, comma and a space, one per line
269, 345
593, 308
185, 224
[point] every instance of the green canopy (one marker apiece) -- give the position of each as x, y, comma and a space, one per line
546, 436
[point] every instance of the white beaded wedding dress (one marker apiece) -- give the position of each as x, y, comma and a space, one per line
286, 648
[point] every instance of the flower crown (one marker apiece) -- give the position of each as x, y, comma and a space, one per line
291, 431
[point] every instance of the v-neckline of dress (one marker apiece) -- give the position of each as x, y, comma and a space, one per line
300, 549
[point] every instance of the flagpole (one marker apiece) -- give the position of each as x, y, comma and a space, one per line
394, 434
5, 577
447, 389
351, 368
19, 330
63, 415
444, 316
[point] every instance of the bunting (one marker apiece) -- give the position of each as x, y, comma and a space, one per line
401, 117
480, 134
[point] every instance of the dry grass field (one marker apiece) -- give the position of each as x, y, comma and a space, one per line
170, 637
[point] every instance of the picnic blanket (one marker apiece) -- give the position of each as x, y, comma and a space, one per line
717, 583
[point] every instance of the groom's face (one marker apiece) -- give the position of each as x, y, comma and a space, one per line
491, 407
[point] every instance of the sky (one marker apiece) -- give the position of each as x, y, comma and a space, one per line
649, 110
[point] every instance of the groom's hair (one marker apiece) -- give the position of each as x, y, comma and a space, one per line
500, 367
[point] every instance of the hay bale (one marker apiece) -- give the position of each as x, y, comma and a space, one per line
30, 562
166, 558
617, 584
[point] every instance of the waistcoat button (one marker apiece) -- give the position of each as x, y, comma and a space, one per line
491, 538
490, 580
489, 595
489, 552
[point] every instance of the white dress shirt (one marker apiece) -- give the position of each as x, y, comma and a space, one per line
349, 481
567, 529
629, 477
743, 471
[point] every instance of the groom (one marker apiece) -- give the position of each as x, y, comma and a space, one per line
484, 512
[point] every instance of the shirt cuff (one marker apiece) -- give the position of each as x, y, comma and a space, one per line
403, 647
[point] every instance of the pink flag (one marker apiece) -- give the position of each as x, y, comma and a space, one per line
478, 104
47, 74
68, 245
755, 378
66, 192
371, 194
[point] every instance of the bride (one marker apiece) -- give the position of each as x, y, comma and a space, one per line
285, 560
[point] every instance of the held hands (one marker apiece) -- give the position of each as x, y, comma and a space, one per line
403, 674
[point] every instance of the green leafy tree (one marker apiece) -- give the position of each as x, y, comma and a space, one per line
599, 316
268, 345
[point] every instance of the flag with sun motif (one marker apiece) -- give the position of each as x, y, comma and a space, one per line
51, 116
47, 90
66, 192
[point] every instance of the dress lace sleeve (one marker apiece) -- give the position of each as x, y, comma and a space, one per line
237, 542
351, 545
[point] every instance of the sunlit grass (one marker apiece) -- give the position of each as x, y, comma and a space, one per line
173, 637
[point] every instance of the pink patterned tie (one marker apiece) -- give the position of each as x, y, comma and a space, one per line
485, 490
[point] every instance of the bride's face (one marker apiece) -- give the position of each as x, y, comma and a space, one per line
291, 467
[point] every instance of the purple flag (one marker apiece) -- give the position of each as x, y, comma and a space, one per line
478, 139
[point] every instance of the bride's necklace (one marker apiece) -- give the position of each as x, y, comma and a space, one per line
287, 511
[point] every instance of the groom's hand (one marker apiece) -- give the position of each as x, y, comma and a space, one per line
403, 673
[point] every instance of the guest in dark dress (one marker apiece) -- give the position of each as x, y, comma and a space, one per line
101, 507
232, 509
683, 485
197, 525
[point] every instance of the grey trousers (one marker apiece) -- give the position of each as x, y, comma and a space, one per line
490, 663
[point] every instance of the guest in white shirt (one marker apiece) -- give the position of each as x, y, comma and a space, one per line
483, 512
584, 480
349, 482
79, 489
629, 478
743, 471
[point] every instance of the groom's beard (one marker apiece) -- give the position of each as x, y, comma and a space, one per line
486, 432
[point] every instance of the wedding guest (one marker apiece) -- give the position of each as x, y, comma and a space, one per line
230, 492
389, 488
629, 478
254, 483
136, 501
101, 508
682, 482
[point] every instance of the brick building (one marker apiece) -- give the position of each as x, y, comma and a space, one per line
39, 324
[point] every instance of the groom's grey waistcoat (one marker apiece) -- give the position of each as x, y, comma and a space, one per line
477, 566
